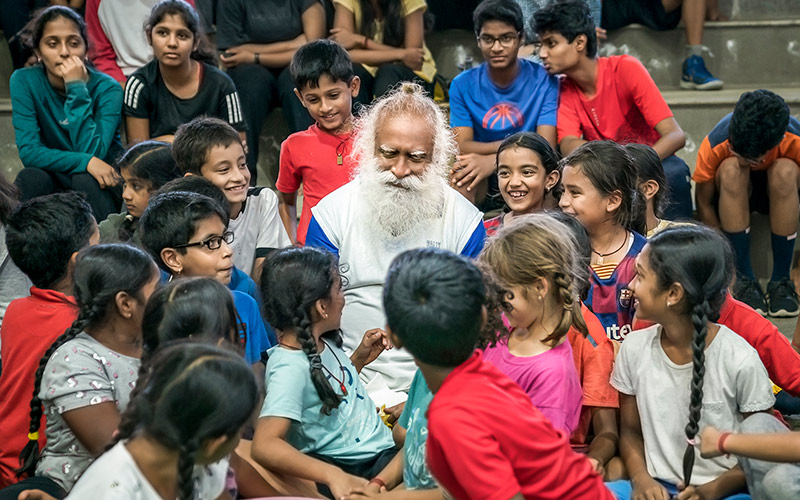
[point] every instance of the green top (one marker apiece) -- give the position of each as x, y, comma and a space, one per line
62, 132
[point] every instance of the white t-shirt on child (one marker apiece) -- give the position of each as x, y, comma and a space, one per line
258, 227
115, 475
735, 382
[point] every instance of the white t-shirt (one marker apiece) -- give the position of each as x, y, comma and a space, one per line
115, 476
735, 382
257, 229
342, 218
123, 22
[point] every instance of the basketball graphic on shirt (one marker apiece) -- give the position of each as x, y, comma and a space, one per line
502, 116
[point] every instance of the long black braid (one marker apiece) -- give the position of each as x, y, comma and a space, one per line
292, 281
29, 456
697, 258
330, 398
100, 273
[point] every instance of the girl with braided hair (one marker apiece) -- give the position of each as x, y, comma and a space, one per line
684, 372
180, 425
85, 378
534, 261
317, 422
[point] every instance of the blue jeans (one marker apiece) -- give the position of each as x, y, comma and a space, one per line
623, 490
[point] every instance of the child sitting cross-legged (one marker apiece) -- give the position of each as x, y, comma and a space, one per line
180, 425
317, 422
485, 439
684, 372
534, 261
85, 377
187, 235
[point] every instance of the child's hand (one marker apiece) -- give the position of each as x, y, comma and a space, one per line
72, 70
597, 466
413, 58
709, 438
347, 39
690, 493
393, 413
375, 341
649, 489
235, 56
103, 173
343, 484
34, 495
370, 490
470, 169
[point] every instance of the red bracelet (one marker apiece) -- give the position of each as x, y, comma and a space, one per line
378, 481
721, 442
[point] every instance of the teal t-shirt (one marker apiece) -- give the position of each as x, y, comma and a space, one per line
352, 432
416, 474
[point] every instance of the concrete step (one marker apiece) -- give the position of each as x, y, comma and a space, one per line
760, 9
741, 53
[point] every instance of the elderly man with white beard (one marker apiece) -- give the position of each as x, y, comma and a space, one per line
399, 199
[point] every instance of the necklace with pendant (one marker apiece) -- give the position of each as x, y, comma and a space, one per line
601, 256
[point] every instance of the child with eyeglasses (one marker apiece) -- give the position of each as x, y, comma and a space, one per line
498, 98
187, 235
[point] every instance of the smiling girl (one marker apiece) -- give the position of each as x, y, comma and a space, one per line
66, 116
179, 83
527, 171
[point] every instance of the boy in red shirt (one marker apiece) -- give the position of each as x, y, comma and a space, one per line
485, 439
611, 98
43, 237
318, 158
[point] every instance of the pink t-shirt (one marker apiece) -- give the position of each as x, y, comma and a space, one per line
549, 379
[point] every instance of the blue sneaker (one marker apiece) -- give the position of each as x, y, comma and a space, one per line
696, 76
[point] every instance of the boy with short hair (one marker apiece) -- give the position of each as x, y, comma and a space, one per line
211, 148
610, 98
485, 439
750, 161
200, 185
318, 158
187, 235
499, 97
43, 236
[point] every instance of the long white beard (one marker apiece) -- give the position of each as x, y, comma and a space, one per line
400, 207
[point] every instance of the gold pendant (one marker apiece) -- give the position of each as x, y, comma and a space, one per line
600, 260
338, 159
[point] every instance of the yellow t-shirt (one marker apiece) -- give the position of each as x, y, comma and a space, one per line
428, 70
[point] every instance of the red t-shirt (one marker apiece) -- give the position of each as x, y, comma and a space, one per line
30, 327
487, 442
310, 158
780, 359
626, 108
594, 360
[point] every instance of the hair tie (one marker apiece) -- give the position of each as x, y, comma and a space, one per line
316, 362
33, 436
691, 442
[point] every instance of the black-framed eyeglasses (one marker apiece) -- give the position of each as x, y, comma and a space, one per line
212, 242
505, 40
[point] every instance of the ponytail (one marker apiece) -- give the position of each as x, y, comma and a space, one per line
187, 453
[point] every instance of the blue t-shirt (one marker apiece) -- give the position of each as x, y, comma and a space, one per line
352, 432
493, 112
416, 475
257, 339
